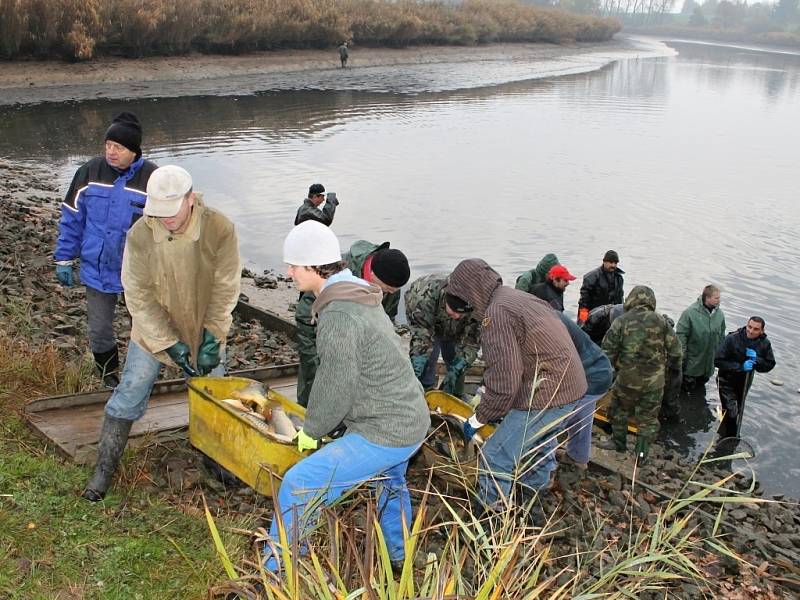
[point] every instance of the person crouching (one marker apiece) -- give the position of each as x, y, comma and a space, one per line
364, 381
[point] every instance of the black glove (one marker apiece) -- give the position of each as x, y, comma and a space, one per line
180, 353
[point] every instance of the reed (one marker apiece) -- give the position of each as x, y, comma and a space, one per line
84, 29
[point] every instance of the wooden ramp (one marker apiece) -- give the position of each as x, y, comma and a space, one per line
72, 423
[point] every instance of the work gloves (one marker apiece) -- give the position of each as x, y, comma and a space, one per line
180, 354
208, 353
748, 365
471, 427
64, 274
419, 362
476, 399
583, 315
305, 441
454, 373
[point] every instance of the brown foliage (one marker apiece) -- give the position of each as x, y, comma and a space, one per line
82, 29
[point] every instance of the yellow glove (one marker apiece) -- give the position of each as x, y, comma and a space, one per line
306, 442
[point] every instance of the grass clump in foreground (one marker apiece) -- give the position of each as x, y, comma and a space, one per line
581, 550
83, 29
54, 544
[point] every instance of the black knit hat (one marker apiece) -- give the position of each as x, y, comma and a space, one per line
391, 267
126, 130
611, 256
456, 304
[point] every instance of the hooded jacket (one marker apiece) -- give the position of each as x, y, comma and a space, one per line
528, 279
523, 340
364, 378
176, 285
641, 345
700, 332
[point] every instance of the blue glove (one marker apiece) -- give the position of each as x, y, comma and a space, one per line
419, 362
457, 368
751, 354
471, 427
180, 353
64, 275
748, 365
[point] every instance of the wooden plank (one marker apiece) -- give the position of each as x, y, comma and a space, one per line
72, 422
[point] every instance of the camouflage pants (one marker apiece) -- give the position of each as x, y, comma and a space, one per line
642, 405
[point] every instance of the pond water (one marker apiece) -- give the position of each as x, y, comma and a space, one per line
683, 159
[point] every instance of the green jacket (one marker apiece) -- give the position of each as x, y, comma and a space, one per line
355, 259
428, 319
700, 333
641, 345
307, 328
528, 279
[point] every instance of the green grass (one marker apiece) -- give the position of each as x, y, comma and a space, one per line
124, 547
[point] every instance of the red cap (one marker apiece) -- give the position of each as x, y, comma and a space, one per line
560, 272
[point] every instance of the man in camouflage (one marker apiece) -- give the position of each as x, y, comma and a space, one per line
440, 324
377, 264
641, 346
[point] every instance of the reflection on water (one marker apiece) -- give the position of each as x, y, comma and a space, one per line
685, 164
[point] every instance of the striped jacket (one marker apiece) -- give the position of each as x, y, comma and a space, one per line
99, 208
523, 340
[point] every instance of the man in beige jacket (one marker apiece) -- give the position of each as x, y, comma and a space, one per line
181, 274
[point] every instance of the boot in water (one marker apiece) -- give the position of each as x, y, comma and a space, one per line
113, 439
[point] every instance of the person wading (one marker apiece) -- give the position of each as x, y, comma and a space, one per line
701, 330
642, 347
743, 353
601, 286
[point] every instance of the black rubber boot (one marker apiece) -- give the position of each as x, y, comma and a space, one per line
107, 364
113, 439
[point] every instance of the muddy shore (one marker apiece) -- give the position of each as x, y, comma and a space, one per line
767, 535
31, 82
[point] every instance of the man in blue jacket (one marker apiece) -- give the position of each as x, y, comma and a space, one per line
105, 199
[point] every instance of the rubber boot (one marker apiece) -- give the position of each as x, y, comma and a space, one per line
107, 364
617, 442
113, 439
642, 450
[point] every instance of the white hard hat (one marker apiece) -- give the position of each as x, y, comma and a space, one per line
311, 244
166, 189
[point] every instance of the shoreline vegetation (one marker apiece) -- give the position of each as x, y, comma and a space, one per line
80, 30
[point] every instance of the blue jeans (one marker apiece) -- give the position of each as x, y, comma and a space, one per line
129, 400
331, 471
448, 351
521, 450
579, 429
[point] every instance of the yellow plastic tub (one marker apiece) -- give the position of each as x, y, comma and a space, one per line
234, 440
444, 403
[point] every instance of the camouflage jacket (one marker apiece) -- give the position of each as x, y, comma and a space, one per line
641, 344
428, 319
528, 279
309, 212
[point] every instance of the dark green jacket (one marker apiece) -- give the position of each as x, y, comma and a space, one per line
528, 279
700, 333
428, 320
307, 330
355, 259
309, 212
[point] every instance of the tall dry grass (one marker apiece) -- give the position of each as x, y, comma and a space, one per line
84, 29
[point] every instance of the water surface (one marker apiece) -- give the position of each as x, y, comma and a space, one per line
684, 160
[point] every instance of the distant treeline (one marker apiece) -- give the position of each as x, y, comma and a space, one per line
83, 29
